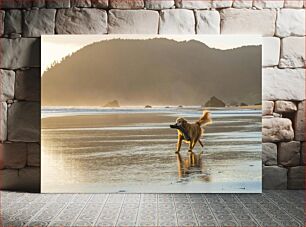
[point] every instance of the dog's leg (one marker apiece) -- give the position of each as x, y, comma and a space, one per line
190, 146
179, 143
200, 142
202, 145
193, 159
190, 159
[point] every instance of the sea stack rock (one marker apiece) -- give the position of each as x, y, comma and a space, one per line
113, 103
214, 102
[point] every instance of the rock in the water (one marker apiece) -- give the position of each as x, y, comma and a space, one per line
285, 107
148, 106
277, 129
289, 153
214, 102
269, 154
233, 103
113, 103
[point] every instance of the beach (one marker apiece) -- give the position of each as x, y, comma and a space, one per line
132, 150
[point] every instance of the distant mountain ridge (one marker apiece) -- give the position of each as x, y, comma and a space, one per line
155, 72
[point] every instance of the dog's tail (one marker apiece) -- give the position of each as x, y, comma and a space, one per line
205, 119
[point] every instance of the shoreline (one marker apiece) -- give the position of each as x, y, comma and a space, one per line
126, 153
116, 117
151, 107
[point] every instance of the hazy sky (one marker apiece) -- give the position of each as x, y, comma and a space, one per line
55, 47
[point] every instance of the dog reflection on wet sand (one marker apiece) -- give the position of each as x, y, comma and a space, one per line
192, 164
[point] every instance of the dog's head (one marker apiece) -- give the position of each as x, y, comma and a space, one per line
180, 123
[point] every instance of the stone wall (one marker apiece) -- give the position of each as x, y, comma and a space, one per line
281, 22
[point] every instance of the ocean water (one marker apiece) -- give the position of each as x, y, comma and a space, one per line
133, 150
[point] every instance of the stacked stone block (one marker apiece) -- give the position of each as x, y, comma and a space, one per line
280, 22
283, 143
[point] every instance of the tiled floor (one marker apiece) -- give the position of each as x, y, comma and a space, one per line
271, 208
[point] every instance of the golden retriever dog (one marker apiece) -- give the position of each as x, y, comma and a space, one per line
191, 133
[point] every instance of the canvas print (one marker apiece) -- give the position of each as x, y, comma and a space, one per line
151, 114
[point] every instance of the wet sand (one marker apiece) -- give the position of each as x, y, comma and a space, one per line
135, 152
